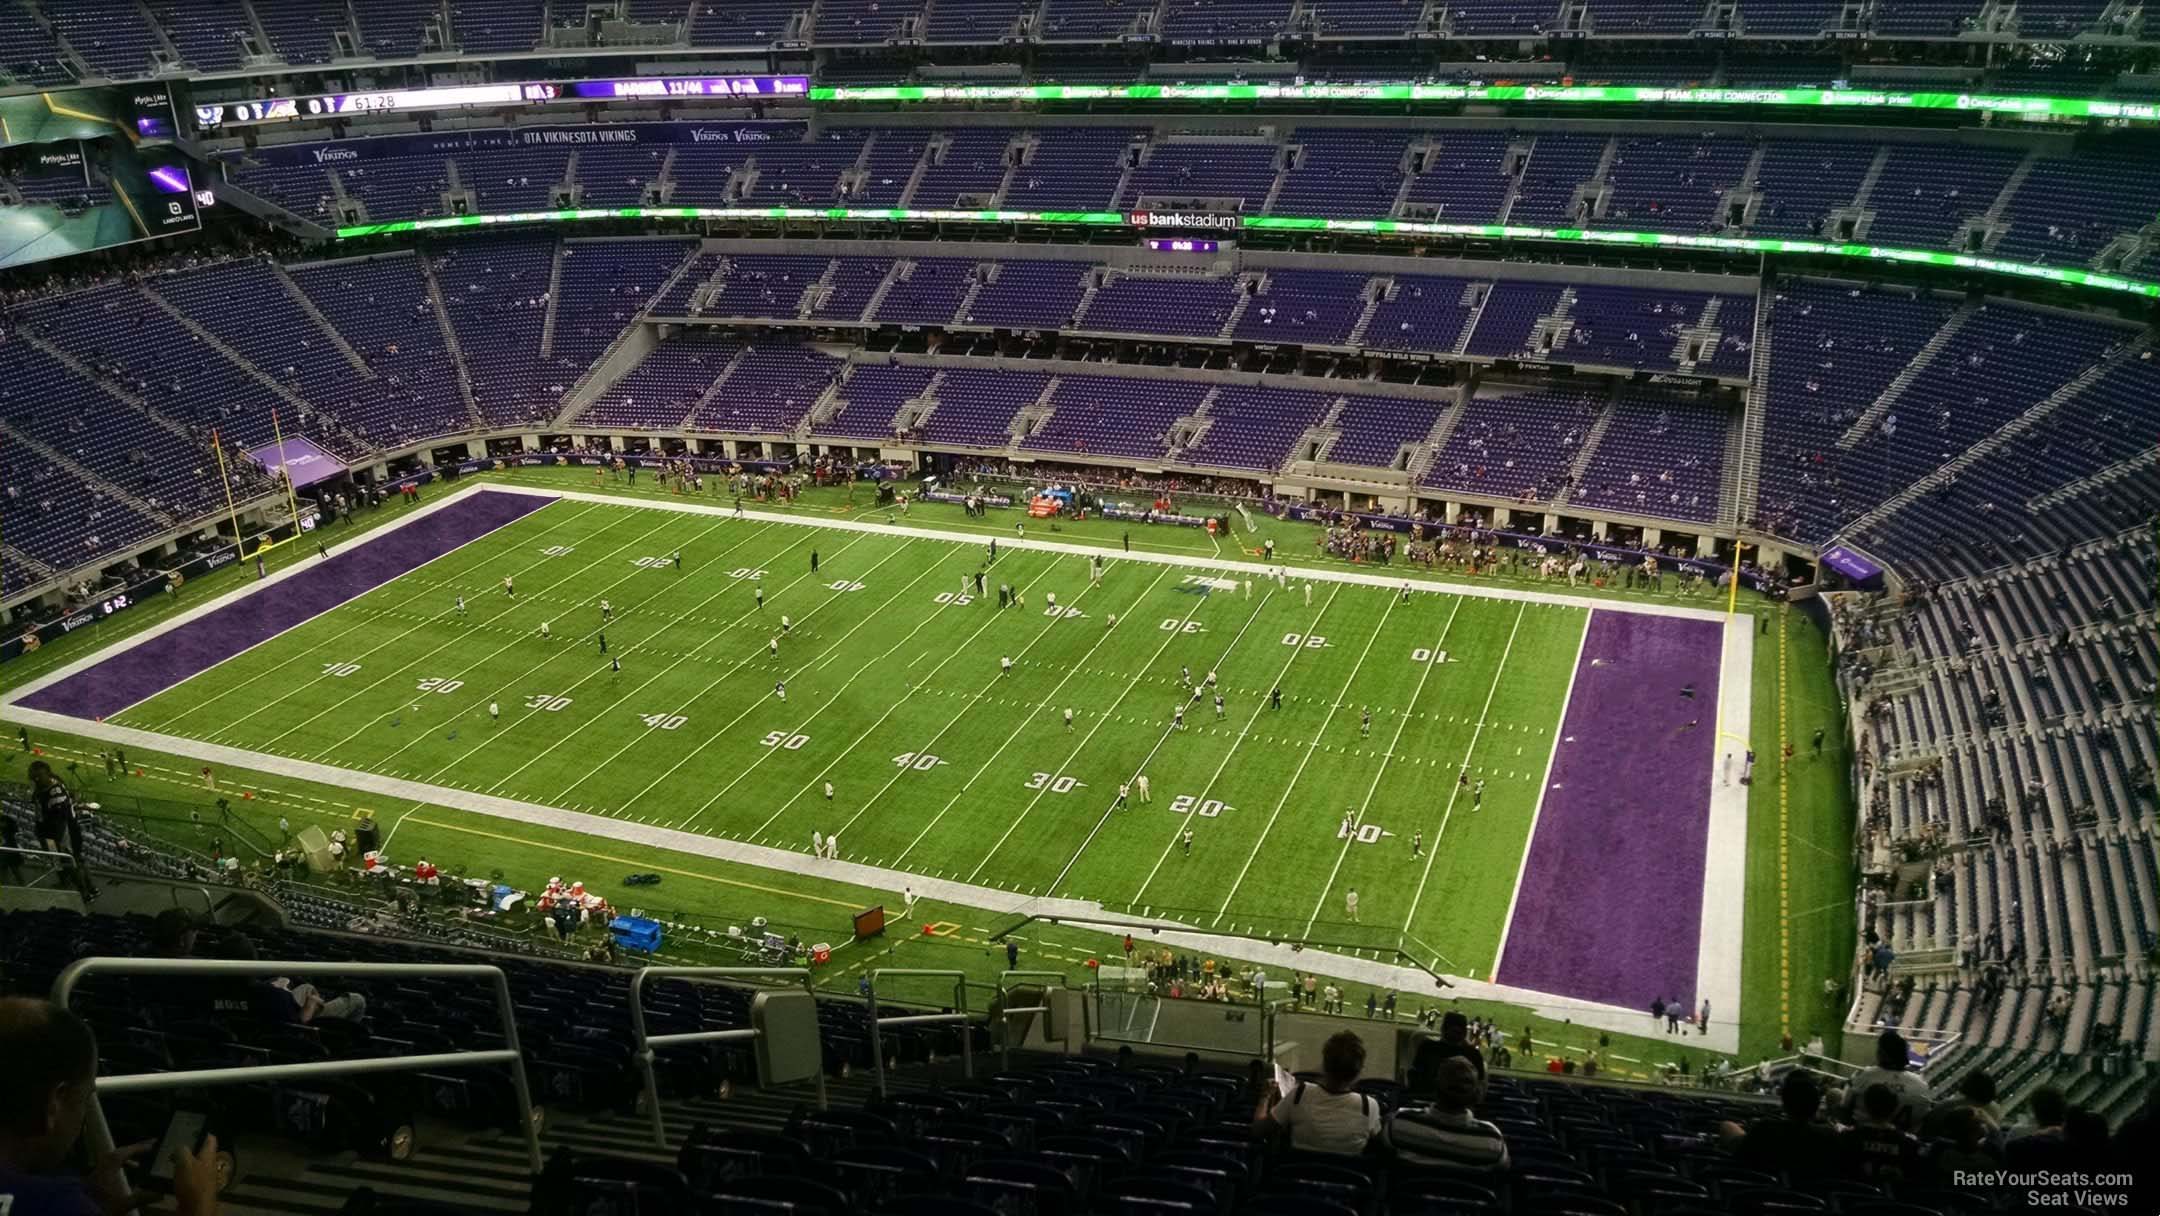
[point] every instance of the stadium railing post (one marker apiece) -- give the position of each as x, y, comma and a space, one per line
959, 1014
100, 1133
648, 1044
1005, 1012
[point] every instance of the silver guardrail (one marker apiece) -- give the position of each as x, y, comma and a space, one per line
878, 1024
1006, 1012
100, 1133
649, 1044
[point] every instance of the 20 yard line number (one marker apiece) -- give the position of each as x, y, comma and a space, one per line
1206, 808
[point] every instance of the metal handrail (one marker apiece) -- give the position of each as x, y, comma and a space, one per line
100, 1132
647, 1043
59, 862
1005, 1012
877, 1024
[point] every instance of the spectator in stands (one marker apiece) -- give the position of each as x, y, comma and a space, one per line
284, 1000
1794, 1142
45, 1093
1332, 1116
1445, 1134
58, 830
1875, 1146
2044, 1145
1976, 1093
1891, 1060
1964, 1143
1453, 1043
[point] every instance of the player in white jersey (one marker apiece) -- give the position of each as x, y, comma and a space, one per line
1177, 717
544, 630
607, 611
494, 712
1211, 677
1218, 707
1184, 675
1142, 782
1005, 665
828, 791
1050, 598
1122, 790
779, 689
1110, 622
785, 623
461, 605
1068, 718
772, 646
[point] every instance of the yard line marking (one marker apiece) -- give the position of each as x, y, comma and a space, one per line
1358, 817
635, 647
1224, 567
956, 652
1455, 787
1507, 924
755, 702
1177, 830
770, 752
371, 537
476, 664
1018, 729
1311, 746
1169, 636
406, 665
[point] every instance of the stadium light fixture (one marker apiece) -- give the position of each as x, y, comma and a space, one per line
1146, 221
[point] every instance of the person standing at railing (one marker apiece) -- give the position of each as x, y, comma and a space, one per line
45, 1094
58, 827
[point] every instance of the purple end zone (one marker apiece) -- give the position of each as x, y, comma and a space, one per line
1611, 903
135, 675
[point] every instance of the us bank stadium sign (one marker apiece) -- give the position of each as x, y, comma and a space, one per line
1182, 219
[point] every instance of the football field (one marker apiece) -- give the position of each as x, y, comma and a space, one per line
763, 679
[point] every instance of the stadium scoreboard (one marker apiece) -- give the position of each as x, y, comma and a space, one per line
385, 101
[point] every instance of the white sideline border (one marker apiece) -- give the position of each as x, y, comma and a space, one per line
1718, 959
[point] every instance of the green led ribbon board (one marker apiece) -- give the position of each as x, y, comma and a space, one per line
1857, 99
1141, 221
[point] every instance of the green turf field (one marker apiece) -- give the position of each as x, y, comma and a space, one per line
940, 762
893, 670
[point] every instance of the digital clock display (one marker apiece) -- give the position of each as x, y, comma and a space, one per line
1170, 244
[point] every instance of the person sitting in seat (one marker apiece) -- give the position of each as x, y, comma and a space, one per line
44, 1096
1332, 1116
1445, 1134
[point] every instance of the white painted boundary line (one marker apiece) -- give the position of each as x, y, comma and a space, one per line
1537, 808
1724, 907
1391, 581
209, 606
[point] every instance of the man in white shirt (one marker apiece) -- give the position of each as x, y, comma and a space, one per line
1891, 1069
1331, 1116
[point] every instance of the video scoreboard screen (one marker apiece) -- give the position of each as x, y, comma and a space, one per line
642, 88
97, 167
